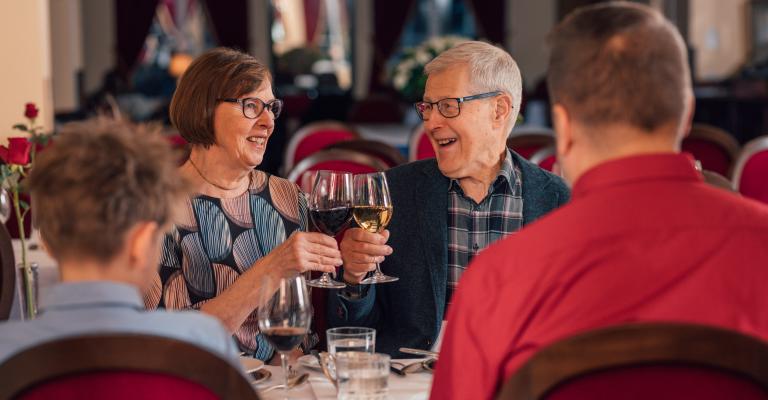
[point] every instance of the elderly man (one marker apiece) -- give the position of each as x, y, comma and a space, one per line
103, 197
447, 210
643, 239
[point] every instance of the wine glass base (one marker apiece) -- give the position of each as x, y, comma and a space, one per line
326, 284
379, 279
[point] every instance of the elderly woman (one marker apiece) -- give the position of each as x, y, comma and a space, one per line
241, 224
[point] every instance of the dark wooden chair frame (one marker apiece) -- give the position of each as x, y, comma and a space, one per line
335, 155
7, 274
543, 139
751, 148
641, 344
122, 352
719, 137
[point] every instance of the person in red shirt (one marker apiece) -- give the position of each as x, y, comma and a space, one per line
643, 238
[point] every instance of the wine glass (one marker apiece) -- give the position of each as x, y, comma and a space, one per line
330, 207
372, 211
285, 313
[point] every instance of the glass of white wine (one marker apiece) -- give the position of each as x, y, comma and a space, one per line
372, 211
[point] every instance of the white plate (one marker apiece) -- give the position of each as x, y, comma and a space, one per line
309, 361
251, 364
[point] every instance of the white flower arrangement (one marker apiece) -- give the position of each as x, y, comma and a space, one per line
408, 75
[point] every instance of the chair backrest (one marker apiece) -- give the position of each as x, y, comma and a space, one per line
528, 143
384, 152
314, 137
750, 173
544, 158
646, 361
715, 148
336, 160
7, 273
419, 146
120, 366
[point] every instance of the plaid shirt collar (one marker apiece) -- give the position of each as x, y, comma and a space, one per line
506, 174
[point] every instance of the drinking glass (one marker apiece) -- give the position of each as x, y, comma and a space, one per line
362, 375
349, 338
330, 207
284, 315
372, 211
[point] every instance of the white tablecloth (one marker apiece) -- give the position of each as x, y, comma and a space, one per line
414, 386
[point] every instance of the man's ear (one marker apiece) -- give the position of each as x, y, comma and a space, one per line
141, 243
563, 125
688, 121
502, 110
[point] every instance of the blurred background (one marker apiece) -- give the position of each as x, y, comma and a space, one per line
356, 61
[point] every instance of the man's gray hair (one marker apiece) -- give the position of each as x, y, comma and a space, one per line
490, 68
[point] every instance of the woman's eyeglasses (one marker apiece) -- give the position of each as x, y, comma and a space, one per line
253, 106
449, 107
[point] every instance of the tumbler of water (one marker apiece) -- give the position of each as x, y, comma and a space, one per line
362, 376
347, 338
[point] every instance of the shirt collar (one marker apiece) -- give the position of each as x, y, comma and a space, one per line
79, 294
647, 167
506, 174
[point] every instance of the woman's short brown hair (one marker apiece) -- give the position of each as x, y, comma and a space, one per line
97, 181
216, 74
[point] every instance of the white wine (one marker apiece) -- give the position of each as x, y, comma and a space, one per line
372, 218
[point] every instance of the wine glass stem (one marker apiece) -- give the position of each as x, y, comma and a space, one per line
325, 278
378, 270
284, 362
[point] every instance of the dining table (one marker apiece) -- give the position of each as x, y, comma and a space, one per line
413, 386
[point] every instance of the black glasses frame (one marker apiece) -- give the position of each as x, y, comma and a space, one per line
458, 100
275, 106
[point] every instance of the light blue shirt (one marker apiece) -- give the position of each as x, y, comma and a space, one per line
81, 308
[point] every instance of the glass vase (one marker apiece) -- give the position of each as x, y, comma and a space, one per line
22, 282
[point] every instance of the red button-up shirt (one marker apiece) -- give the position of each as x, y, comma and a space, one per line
643, 239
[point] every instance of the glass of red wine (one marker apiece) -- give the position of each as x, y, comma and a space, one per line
330, 207
285, 314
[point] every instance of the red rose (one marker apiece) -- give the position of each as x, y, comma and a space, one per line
17, 151
31, 111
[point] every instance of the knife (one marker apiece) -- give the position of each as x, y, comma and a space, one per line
418, 352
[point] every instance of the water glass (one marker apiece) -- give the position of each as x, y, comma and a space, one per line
362, 376
348, 338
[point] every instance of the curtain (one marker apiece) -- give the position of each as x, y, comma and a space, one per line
389, 21
134, 18
489, 15
230, 22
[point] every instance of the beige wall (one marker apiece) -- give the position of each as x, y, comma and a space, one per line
25, 72
718, 33
528, 24
98, 35
66, 52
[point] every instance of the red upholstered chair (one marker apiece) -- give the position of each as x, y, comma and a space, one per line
419, 145
384, 152
120, 367
7, 274
314, 137
544, 158
750, 174
715, 148
336, 160
529, 142
657, 361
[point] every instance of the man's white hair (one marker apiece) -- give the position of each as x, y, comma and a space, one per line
490, 68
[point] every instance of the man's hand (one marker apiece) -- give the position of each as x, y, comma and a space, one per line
361, 250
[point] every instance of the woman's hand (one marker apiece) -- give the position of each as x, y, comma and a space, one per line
307, 251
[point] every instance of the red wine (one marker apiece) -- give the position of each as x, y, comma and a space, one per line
331, 221
285, 338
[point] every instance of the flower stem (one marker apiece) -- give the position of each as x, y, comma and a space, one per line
27, 269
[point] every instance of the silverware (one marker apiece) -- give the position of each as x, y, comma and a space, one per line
259, 375
292, 382
418, 352
396, 371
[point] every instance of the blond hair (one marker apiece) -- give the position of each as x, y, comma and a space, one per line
97, 181
490, 68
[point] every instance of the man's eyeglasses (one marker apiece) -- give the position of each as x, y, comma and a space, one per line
449, 107
253, 106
